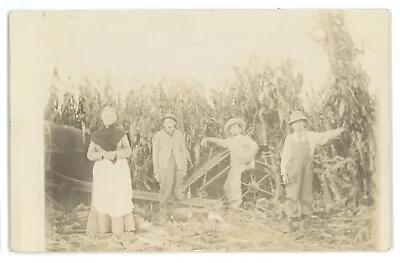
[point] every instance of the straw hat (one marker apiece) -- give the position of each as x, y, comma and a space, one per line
234, 121
169, 116
297, 116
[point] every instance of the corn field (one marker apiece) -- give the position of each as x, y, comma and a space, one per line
262, 95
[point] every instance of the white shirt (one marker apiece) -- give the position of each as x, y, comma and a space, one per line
242, 148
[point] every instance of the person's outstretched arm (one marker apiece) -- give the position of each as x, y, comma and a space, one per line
322, 138
220, 142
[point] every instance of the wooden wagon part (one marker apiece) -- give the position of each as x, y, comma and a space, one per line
261, 181
137, 194
212, 162
205, 168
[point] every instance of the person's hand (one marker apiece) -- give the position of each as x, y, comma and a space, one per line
111, 155
341, 130
157, 176
182, 172
204, 142
114, 156
106, 155
285, 178
245, 161
252, 163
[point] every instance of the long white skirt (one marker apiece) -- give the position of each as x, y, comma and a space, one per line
112, 188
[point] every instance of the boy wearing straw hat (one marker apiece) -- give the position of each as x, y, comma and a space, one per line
169, 160
242, 150
296, 166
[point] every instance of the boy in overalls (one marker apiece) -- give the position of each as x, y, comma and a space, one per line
242, 151
297, 166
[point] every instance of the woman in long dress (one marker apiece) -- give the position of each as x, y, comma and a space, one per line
112, 206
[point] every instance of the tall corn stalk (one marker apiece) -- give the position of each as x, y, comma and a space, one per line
349, 104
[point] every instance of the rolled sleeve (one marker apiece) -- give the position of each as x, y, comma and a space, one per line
95, 152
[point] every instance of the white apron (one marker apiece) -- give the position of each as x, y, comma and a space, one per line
112, 188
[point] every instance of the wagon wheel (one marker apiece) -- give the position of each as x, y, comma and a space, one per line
257, 183
260, 182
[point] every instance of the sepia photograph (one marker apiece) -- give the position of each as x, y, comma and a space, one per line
201, 130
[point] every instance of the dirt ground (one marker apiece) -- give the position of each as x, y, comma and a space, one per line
255, 228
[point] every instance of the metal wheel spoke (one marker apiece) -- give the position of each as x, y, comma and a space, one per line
248, 191
262, 179
264, 191
243, 195
204, 179
251, 176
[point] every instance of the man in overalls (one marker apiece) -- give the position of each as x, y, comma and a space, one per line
242, 150
297, 166
170, 157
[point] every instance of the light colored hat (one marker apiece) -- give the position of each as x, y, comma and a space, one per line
297, 116
169, 116
234, 121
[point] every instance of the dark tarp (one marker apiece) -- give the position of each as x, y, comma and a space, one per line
65, 156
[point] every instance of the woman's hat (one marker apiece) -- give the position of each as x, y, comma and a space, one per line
234, 121
169, 116
297, 116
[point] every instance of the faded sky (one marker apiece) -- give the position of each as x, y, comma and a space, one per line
135, 48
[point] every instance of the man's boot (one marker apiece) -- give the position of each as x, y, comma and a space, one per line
306, 222
291, 226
